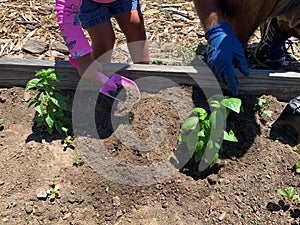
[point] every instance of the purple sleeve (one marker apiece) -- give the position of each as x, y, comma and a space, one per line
67, 13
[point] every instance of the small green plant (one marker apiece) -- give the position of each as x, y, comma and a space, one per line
9, 205
68, 142
262, 105
290, 194
1, 121
72, 192
78, 159
297, 149
54, 191
49, 103
203, 132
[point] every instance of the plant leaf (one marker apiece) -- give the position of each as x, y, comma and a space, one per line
60, 101
198, 155
30, 103
210, 153
269, 113
32, 84
215, 159
64, 129
52, 196
192, 140
190, 124
1, 121
201, 113
291, 192
39, 107
201, 133
217, 145
261, 101
53, 77
179, 138
297, 166
49, 120
229, 136
56, 188
214, 104
46, 97
233, 104
200, 145
217, 122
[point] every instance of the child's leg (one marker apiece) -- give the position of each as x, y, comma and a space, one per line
132, 25
95, 18
103, 40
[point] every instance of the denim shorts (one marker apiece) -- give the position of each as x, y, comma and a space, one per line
93, 13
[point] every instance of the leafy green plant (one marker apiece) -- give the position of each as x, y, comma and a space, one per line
9, 205
289, 193
49, 103
78, 159
203, 132
297, 149
1, 121
262, 105
54, 191
68, 142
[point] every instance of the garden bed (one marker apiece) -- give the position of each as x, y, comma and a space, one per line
239, 189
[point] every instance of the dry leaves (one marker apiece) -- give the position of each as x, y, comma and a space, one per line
167, 24
32, 19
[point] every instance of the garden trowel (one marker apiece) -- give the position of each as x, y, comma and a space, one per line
119, 80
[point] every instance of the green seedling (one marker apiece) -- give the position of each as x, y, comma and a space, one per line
49, 103
68, 142
297, 165
1, 121
54, 191
72, 192
203, 132
9, 205
78, 159
290, 194
297, 149
263, 106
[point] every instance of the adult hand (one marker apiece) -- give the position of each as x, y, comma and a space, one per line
224, 53
90, 69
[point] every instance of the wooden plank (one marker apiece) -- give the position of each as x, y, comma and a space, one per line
282, 84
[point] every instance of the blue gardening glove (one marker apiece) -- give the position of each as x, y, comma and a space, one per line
224, 53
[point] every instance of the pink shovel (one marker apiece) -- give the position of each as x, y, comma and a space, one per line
123, 81
117, 79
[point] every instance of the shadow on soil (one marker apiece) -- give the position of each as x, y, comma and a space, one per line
283, 206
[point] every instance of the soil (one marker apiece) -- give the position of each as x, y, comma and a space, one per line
239, 189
